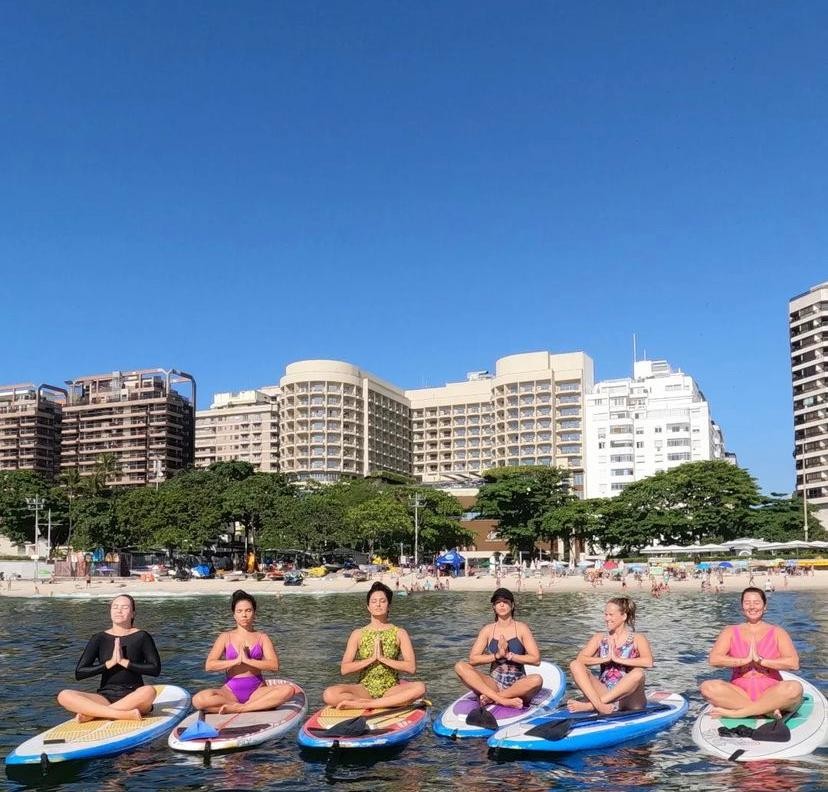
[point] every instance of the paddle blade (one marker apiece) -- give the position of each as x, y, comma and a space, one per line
352, 727
551, 730
775, 731
483, 718
199, 731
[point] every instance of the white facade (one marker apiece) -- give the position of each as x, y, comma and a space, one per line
808, 320
638, 427
530, 412
241, 426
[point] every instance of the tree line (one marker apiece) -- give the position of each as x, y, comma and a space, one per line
698, 501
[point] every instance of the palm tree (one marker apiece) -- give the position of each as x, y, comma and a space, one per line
72, 483
107, 466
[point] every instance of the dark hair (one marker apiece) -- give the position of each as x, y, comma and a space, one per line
506, 596
240, 595
753, 590
380, 587
627, 608
132, 603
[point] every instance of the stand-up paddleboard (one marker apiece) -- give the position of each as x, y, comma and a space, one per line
237, 730
452, 722
363, 728
563, 731
96, 738
807, 730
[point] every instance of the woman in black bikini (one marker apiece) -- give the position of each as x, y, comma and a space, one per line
507, 646
120, 655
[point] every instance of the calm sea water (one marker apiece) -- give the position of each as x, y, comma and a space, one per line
41, 640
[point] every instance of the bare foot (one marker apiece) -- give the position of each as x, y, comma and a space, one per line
348, 704
485, 701
225, 709
133, 714
605, 709
576, 705
515, 703
722, 712
80, 718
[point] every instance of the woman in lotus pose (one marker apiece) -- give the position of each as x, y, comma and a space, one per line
507, 646
243, 653
120, 655
379, 652
622, 655
755, 652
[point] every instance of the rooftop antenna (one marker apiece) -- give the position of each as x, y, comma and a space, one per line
635, 356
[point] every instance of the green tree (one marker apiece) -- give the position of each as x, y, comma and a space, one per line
781, 519
520, 497
190, 511
17, 521
106, 468
380, 523
584, 520
253, 500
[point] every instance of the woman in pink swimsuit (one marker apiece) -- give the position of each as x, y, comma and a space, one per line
243, 653
755, 652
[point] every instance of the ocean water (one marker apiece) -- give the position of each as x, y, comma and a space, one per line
40, 641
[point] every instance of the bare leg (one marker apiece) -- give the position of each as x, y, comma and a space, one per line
629, 692
784, 696
589, 685
397, 696
92, 705
213, 699
479, 683
523, 690
335, 695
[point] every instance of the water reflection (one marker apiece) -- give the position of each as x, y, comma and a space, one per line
310, 633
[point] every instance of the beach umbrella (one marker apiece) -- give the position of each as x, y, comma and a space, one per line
610, 564
725, 565
704, 565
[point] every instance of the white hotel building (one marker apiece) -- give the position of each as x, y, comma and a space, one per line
638, 427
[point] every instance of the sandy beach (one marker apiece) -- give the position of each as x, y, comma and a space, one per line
337, 583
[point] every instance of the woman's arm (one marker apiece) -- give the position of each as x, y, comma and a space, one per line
479, 654
408, 663
720, 653
532, 654
645, 654
788, 659
349, 664
150, 662
90, 663
269, 661
589, 654
214, 661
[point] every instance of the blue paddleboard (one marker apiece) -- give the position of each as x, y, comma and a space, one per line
562, 731
71, 740
363, 728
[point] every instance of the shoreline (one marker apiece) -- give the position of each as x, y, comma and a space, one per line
542, 585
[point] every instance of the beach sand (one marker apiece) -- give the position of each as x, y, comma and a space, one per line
542, 585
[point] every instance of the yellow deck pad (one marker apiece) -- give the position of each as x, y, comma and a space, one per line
95, 730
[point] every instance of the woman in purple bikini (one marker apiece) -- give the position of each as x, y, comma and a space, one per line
243, 654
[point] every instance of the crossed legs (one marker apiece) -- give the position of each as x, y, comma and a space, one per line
628, 693
88, 706
517, 695
730, 701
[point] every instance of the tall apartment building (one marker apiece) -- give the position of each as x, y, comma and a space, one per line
138, 416
30, 423
240, 426
637, 427
808, 323
530, 412
336, 420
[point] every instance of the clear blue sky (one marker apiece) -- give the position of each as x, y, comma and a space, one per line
418, 188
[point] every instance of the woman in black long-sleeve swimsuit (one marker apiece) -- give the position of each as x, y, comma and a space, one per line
120, 655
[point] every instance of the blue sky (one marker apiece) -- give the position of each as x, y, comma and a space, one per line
418, 188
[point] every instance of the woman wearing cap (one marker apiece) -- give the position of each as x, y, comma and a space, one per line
507, 646
622, 655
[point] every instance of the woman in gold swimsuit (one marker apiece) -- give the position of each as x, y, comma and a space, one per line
379, 653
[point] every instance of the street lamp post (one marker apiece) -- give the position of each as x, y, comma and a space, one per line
36, 504
805, 503
417, 504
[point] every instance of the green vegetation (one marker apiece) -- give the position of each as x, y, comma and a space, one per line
194, 508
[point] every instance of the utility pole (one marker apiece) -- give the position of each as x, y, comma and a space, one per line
36, 504
805, 503
417, 504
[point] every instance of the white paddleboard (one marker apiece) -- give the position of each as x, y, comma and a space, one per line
242, 729
452, 721
71, 740
809, 730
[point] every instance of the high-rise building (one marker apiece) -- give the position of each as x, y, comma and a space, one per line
30, 421
240, 426
336, 420
808, 324
138, 416
530, 412
638, 427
